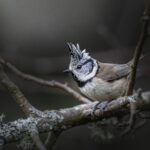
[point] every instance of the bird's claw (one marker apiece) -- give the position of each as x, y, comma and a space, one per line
99, 106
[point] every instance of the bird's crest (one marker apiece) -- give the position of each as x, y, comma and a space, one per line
77, 53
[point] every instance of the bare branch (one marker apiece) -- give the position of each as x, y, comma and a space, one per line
138, 50
36, 139
51, 139
15, 92
135, 61
69, 117
55, 84
22, 101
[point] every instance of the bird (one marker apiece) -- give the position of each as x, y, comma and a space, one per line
96, 80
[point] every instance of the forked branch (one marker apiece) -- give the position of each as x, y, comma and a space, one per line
138, 49
42, 82
59, 120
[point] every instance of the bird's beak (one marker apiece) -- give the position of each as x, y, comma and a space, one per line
67, 71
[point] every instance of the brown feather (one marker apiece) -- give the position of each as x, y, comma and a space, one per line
111, 72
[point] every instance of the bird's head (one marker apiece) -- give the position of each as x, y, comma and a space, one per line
82, 66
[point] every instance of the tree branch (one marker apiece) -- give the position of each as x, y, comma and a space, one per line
23, 103
138, 50
36, 139
59, 120
55, 84
17, 95
51, 139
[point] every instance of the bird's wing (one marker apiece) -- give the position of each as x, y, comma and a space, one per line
111, 72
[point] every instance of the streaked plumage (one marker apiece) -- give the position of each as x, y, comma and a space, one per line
96, 80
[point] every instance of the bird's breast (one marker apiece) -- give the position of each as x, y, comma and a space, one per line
100, 90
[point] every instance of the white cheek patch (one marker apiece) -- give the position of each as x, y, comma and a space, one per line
90, 75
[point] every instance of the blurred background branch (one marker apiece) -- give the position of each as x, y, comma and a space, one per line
139, 48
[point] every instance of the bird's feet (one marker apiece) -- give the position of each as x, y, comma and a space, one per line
101, 106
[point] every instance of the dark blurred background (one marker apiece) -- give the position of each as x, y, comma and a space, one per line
33, 36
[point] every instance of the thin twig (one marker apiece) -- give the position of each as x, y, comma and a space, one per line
15, 92
138, 50
36, 139
22, 101
56, 84
51, 139
136, 57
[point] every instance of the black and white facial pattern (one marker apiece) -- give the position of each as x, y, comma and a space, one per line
85, 70
82, 66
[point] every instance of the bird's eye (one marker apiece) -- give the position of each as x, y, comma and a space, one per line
79, 67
